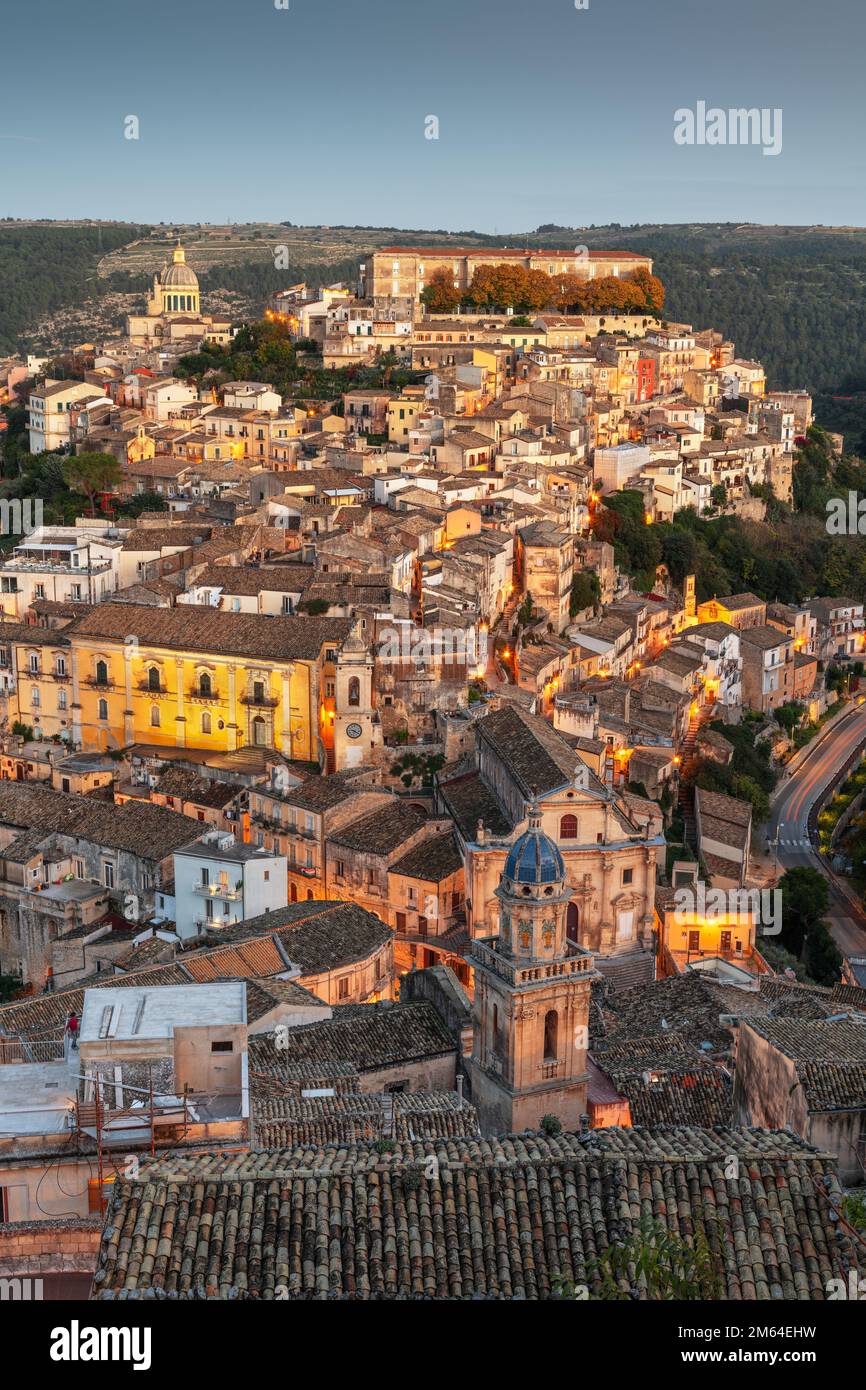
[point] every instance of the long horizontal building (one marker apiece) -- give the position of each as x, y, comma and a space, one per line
197, 677
403, 271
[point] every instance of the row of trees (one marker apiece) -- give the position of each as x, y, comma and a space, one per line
506, 286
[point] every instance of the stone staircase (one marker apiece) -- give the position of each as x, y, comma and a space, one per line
625, 972
685, 800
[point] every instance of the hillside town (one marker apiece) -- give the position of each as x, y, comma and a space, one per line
386, 853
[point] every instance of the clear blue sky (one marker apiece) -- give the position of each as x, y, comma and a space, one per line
316, 113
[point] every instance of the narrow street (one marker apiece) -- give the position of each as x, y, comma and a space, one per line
814, 770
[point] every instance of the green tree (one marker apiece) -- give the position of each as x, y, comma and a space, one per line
585, 590
821, 956
805, 900
92, 474
789, 715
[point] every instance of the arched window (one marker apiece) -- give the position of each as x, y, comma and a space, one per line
101, 673
551, 1028
204, 684
154, 716
572, 923
354, 691
103, 709
205, 723
568, 828
495, 1038
153, 682
293, 893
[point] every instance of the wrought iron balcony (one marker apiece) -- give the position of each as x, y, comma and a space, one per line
260, 701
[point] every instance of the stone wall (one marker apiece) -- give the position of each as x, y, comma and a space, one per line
34, 1249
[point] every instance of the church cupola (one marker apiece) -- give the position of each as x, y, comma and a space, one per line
532, 890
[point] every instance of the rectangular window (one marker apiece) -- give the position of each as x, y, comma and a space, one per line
108, 874
222, 1047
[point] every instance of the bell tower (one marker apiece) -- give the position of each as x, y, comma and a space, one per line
356, 730
532, 989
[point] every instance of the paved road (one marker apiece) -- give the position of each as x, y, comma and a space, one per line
815, 768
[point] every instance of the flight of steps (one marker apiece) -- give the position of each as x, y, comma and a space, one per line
686, 796
625, 972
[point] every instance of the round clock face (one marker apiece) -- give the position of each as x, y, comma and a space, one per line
353, 731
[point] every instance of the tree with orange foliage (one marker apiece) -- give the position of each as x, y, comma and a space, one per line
440, 296
482, 290
506, 286
650, 286
569, 293
539, 291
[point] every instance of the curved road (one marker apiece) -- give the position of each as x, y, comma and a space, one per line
789, 819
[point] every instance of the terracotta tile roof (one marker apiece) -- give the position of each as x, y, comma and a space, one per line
192, 628
432, 860
202, 791
658, 1093
382, 830
147, 538
829, 1057
498, 1219
369, 1036
537, 756
317, 936
286, 1122
321, 793
152, 832
469, 800
256, 579
265, 995
252, 958
681, 1004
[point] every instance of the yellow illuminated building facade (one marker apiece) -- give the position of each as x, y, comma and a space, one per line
198, 678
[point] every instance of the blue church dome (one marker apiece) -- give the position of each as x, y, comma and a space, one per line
534, 858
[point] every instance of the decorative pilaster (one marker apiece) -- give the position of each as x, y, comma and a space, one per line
180, 736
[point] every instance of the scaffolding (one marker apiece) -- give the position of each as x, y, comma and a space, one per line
111, 1128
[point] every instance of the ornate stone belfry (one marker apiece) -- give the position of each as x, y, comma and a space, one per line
532, 987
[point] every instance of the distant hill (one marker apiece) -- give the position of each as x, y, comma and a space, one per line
44, 267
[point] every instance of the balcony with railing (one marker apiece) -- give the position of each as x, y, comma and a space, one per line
486, 953
259, 700
551, 1069
203, 697
222, 891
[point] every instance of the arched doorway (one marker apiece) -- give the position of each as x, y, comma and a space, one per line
572, 923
